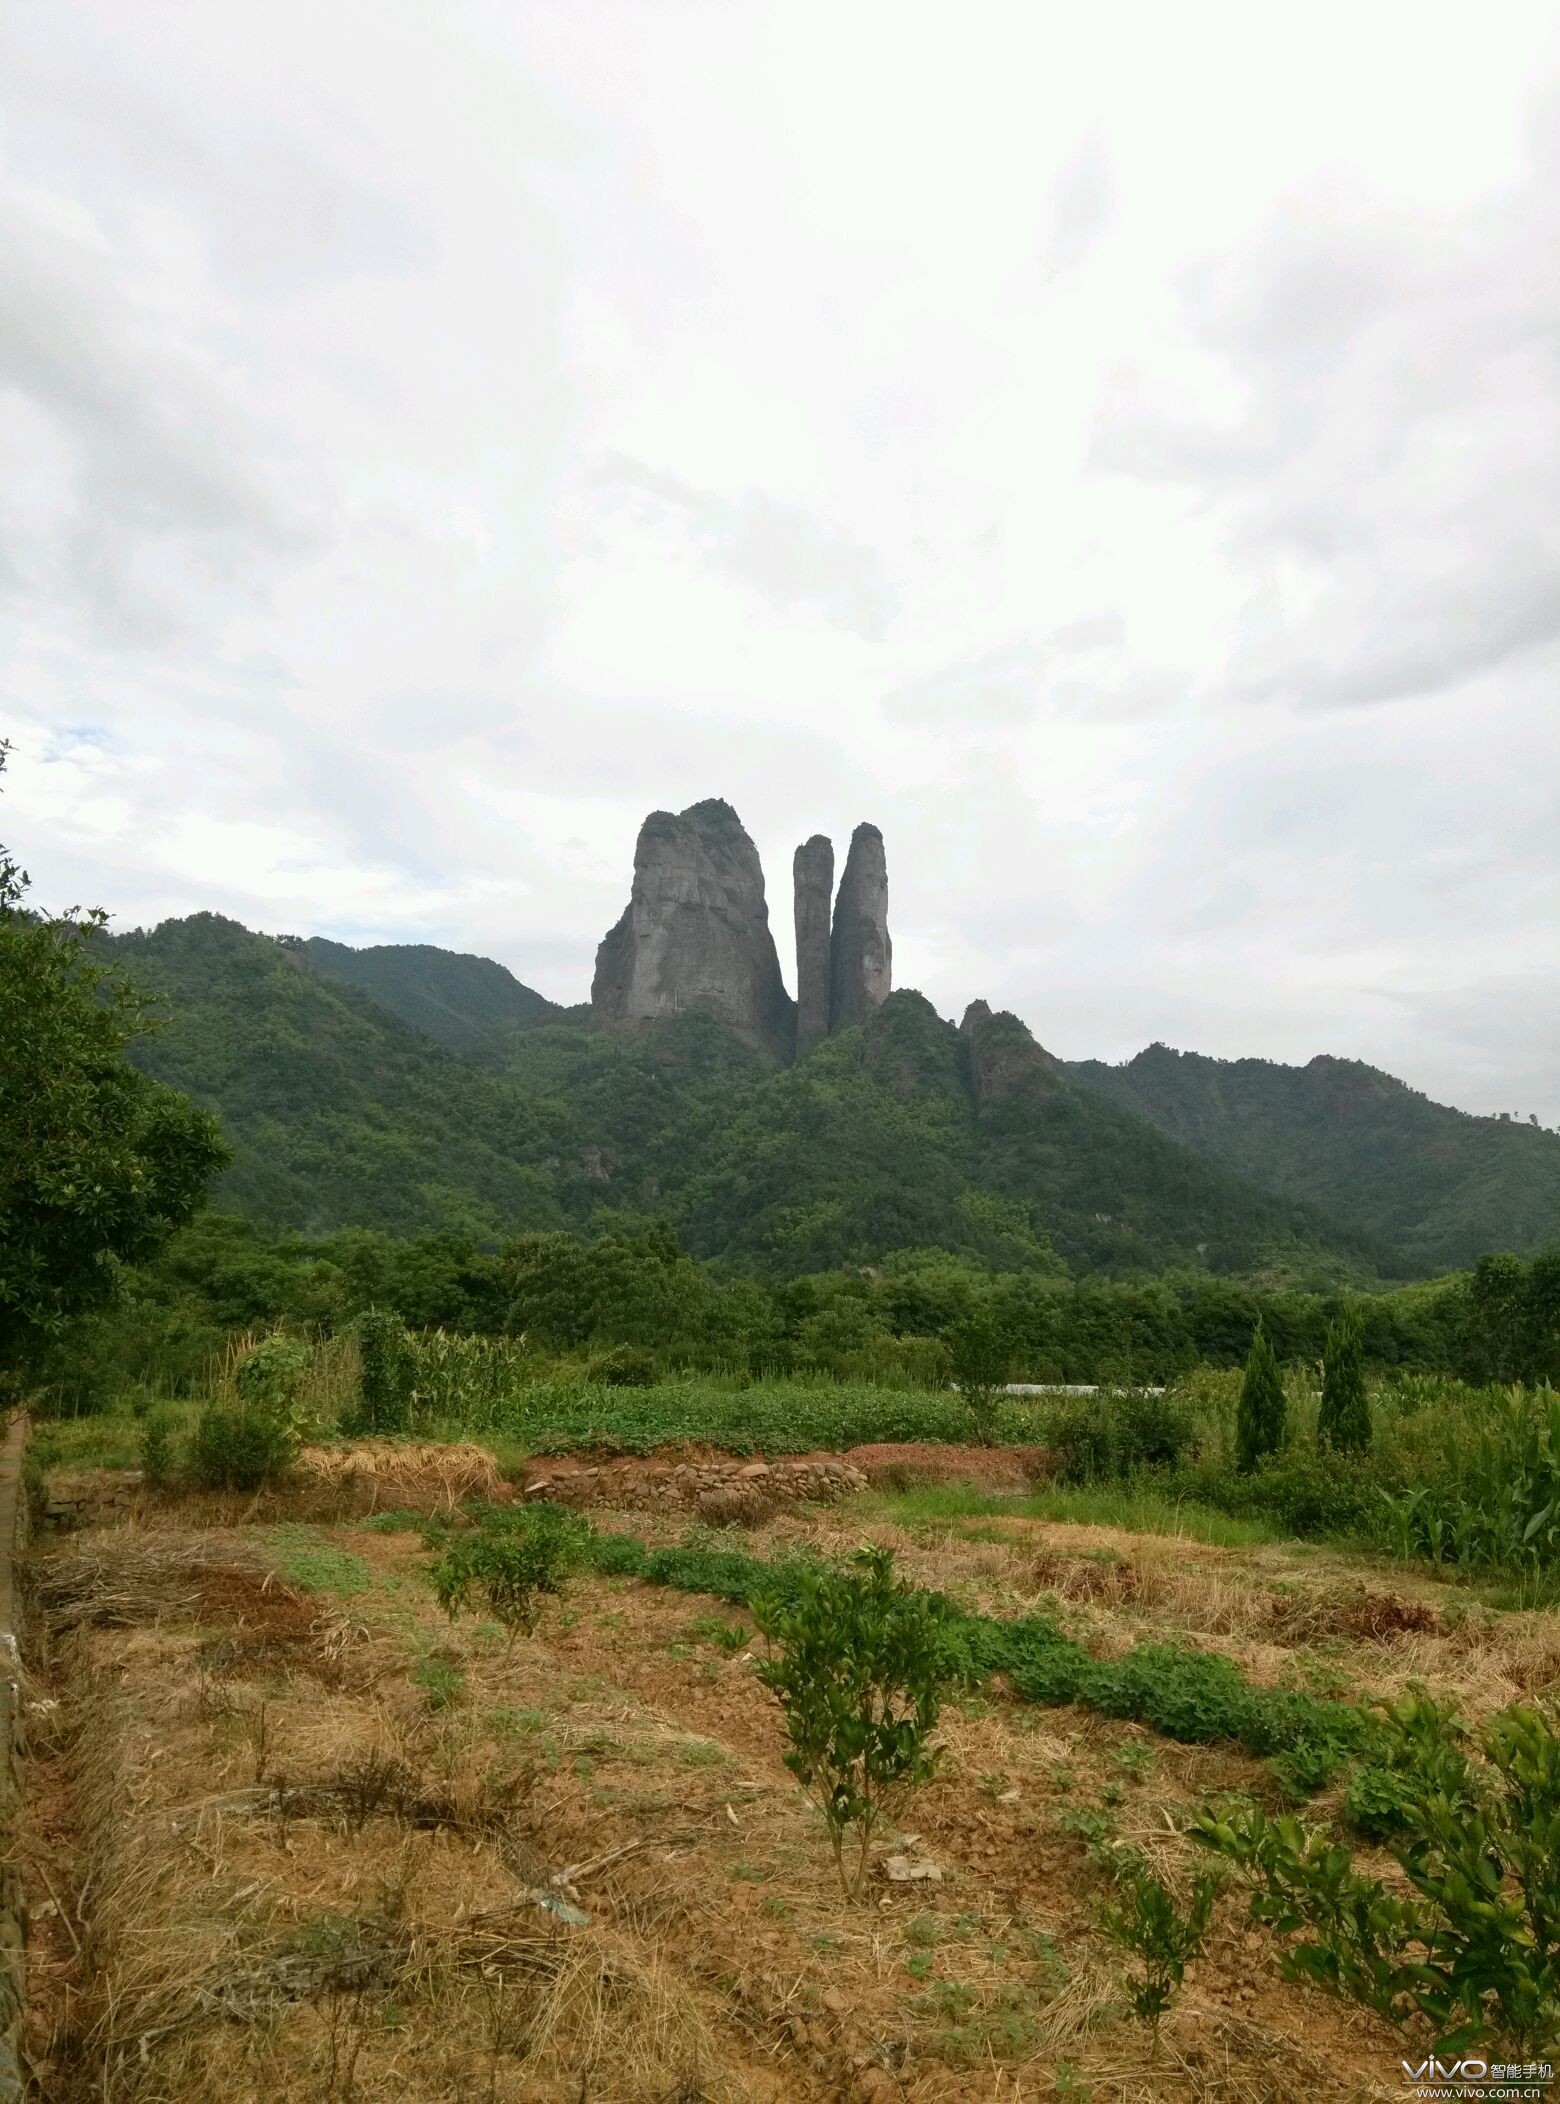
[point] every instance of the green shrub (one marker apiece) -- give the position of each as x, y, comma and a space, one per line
236, 1447
270, 1376
859, 1666
159, 1449
1343, 1421
385, 1390
1113, 1433
1163, 1937
1259, 1418
981, 1353
1472, 1949
625, 1366
511, 1568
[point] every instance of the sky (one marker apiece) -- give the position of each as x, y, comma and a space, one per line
1116, 450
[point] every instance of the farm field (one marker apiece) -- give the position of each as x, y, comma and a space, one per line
293, 1832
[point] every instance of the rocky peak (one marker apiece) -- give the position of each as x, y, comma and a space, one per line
812, 872
695, 933
1004, 1056
860, 953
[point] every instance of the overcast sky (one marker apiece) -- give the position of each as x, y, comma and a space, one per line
1116, 449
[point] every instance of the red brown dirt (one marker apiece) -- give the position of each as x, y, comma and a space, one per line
904, 1466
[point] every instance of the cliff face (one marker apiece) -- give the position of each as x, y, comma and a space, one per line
813, 877
695, 933
860, 954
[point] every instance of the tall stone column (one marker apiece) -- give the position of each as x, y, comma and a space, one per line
860, 953
812, 871
695, 933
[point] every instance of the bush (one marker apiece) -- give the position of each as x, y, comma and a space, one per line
1160, 1935
159, 1452
385, 1390
859, 1665
1259, 1418
1110, 1435
1471, 1950
625, 1366
270, 1375
236, 1447
512, 1568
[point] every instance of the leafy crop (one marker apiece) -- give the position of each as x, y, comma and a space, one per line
1473, 1948
858, 1664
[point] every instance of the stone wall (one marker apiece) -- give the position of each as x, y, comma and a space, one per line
13, 1529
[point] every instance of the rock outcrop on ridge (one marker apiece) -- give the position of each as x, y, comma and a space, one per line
860, 953
813, 877
695, 933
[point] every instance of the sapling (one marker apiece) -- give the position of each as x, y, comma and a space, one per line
512, 1570
859, 1664
1161, 1935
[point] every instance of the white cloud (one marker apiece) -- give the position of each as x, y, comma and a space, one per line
1113, 451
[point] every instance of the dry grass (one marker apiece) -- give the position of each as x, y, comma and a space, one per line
375, 1474
301, 1843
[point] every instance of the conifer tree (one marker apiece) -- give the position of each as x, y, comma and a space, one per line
1259, 1421
1343, 1421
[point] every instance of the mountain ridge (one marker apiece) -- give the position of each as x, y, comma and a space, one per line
343, 1114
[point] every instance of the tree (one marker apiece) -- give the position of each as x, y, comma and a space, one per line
1343, 1422
982, 1354
1497, 1296
98, 1163
1259, 1419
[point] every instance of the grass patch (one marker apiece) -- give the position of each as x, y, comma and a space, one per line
107, 1439
306, 1559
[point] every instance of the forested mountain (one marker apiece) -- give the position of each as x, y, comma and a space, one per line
899, 1133
469, 1004
339, 1113
1432, 1186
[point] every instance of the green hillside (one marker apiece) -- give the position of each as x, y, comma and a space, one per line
907, 1133
469, 1004
338, 1113
1433, 1186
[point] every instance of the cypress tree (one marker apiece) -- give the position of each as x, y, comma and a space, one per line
1343, 1422
1259, 1421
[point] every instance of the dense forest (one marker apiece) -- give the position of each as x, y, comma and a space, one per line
902, 1134
1431, 1186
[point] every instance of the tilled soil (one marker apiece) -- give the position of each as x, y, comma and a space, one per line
295, 1835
